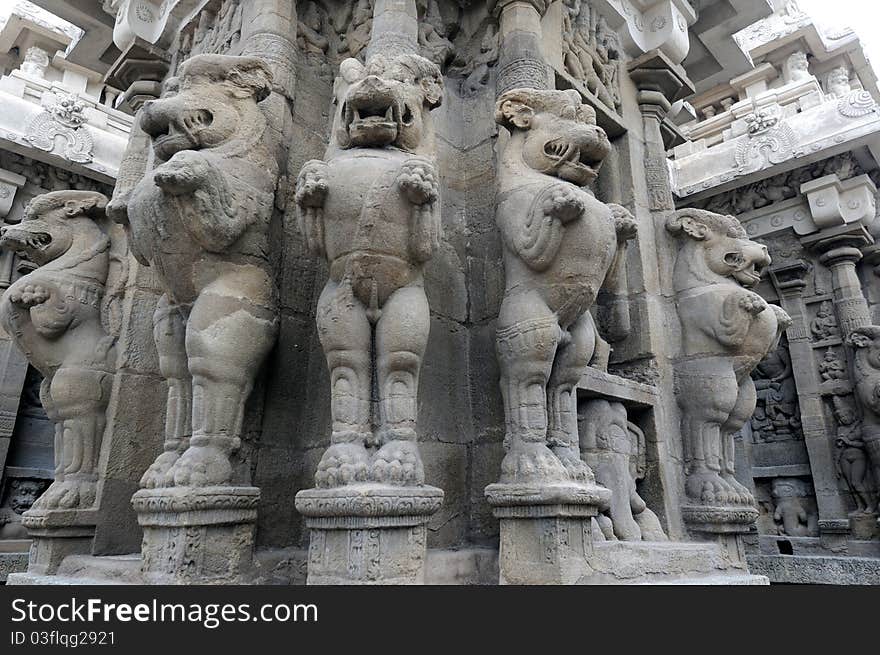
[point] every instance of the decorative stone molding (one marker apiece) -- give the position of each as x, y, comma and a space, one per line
63, 119
833, 202
197, 536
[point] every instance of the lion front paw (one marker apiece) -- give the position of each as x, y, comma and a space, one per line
157, 476
625, 223
574, 465
30, 295
398, 463
201, 466
312, 184
708, 488
418, 182
783, 320
67, 494
342, 464
565, 203
752, 303
527, 462
181, 174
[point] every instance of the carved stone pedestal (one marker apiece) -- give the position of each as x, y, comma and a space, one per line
56, 534
364, 534
546, 533
197, 535
724, 525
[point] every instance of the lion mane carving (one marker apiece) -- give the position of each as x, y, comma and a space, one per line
560, 243
372, 210
200, 218
65, 317
726, 330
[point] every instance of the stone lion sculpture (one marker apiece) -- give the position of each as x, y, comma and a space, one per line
200, 218
559, 244
615, 449
372, 210
865, 341
64, 317
726, 330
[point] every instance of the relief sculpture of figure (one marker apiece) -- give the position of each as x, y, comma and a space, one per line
372, 210
727, 329
865, 341
616, 451
65, 318
200, 218
560, 242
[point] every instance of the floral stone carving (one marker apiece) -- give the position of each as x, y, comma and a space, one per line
65, 119
200, 218
64, 317
727, 329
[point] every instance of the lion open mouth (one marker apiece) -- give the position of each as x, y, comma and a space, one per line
25, 241
574, 162
749, 275
181, 134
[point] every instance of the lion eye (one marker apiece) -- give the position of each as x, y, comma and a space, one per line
734, 259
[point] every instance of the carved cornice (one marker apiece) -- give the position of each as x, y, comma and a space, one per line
498, 6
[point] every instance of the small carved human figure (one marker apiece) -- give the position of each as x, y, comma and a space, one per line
615, 450
486, 59
310, 31
824, 326
796, 67
727, 329
837, 82
63, 317
200, 219
795, 512
20, 496
831, 368
559, 245
866, 373
372, 209
777, 395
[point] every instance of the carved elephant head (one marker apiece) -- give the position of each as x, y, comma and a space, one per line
387, 103
211, 104
559, 134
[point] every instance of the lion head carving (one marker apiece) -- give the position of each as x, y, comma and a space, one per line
559, 135
211, 104
716, 249
387, 102
51, 224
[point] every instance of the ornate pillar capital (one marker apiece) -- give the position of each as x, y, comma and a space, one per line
790, 279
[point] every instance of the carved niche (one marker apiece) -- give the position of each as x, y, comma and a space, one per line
372, 210
727, 329
65, 317
616, 451
559, 244
777, 414
200, 218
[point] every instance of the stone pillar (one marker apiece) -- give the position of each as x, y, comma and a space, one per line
395, 28
659, 82
790, 282
852, 308
57, 533
521, 63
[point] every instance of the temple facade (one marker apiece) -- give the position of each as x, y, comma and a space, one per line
445, 292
